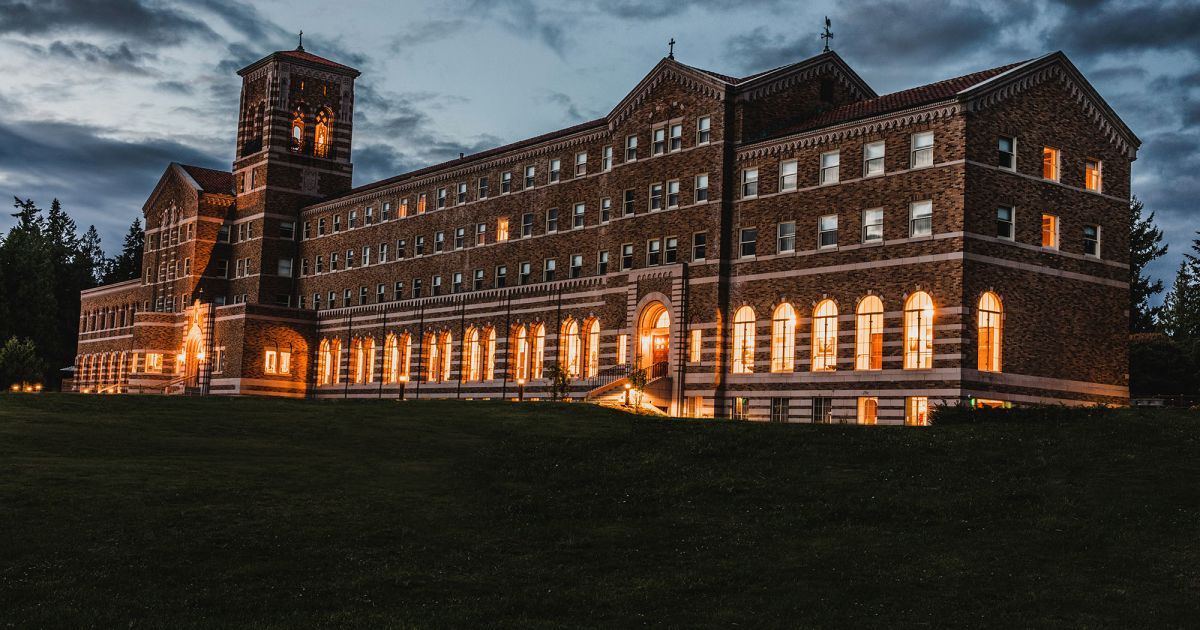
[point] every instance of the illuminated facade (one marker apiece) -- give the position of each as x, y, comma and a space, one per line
787, 246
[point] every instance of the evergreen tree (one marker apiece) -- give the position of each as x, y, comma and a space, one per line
19, 362
1181, 308
1145, 245
92, 256
29, 287
128, 264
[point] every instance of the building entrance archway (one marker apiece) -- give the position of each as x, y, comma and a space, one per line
654, 335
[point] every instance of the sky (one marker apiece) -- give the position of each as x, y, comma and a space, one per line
99, 96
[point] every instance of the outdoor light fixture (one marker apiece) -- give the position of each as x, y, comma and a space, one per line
403, 379
627, 388
15, 387
520, 390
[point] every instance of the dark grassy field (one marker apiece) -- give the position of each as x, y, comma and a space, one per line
184, 513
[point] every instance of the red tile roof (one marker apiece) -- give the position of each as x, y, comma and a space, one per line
210, 180
304, 55
896, 101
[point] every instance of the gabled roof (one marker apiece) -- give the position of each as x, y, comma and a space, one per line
209, 180
896, 101
304, 58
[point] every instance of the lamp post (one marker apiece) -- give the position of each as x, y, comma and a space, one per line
627, 388
403, 382
520, 390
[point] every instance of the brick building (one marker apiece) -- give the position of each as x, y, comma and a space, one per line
787, 246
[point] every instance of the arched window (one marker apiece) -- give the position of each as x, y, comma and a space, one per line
357, 361
519, 353
824, 337
471, 358
391, 359
591, 331
446, 352
868, 334
297, 131
537, 353
489, 354
991, 314
783, 338
743, 341
405, 356
322, 134
368, 370
328, 357
918, 332
432, 357
571, 347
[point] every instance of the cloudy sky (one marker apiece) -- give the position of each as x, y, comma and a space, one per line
98, 96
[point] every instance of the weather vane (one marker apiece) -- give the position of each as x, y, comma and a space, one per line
671, 50
828, 34
300, 46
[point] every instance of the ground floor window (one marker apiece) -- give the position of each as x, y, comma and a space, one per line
694, 406
741, 408
985, 403
868, 409
822, 410
779, 410
916, 411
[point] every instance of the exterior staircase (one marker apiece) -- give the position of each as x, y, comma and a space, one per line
611, 390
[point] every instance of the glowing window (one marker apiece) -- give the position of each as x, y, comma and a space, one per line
520, 353
868, 409
783, 338
918, 332
694, 350
537, 353
1050, 163
571, 347
446, 350
501, 230
622, 343
298, 131
592, 345
824, 337
322, 134
489, 354
991, 313
868, 334
471, 355
1092, 174
916, 411
743, 341
1050, 231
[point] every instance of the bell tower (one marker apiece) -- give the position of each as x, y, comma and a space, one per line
295, 125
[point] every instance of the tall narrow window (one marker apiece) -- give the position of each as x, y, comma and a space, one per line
471, 356
1006, 149
322, 134
695, 345
743, 341
872, 228
537, 336
920, 218
827, 231
1050, 163
916, 411
1091, 240
991, 315
918, 332
873, 159
786, 237
391, 359
703, 130
1050, 231
519, 353
446, 351
1092, 174
831, 167
489, 354
750, 182
868, 409
868, 334
783, 338
591, 338
297, 131
1004, 222
824, 337
787, 175
922, 149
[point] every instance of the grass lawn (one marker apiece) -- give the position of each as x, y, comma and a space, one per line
184, 513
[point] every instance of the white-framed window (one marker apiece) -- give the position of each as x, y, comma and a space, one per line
441, 200
456, 281
1050, 163
656, 197
578, 215
277, 362
872, 231
699, 246
827, 231
922, 150
1006, 153
530, 176
1092, 174
787, 175
461, 197
505, 182
576, 269
703, 130
552, 220
581, 163
673, 194
482, 191
1005, 223
676, 137
460, 238
631, 148
748, 241
548, 271
555, 170
1091, 240
831, 167
920, 218
749, 182
1050, 231
786, 237
605, 210
606, 158
873, 159
700, 191
659, 144
653, 252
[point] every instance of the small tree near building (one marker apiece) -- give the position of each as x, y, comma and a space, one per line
19, 362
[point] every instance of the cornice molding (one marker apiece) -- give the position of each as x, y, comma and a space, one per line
925, 114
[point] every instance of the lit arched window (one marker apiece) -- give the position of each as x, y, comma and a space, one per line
357, 361
322, 134
432, 357
824, 337
405, 356
297, 131
446, 353
592, 342
391, 359
569, 355
918, 332
868, 334
743, 341
783, 338
538, 352
471, 354
328, 357
991, 313
519, 354
368, 371
489, 354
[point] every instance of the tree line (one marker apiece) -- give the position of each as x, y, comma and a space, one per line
1164, 351
44, 264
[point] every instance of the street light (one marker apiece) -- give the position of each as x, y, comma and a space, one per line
520, 390
403, 382
627, 388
